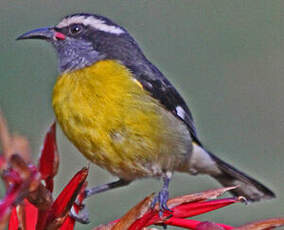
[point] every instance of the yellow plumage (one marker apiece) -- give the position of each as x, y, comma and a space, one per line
116, 124
132, 131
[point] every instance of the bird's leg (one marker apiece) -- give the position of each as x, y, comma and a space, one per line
82, 217
105, 187
163, 195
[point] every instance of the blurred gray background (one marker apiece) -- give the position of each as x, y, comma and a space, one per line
226, 58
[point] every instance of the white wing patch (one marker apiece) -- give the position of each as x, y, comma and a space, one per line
180, 112
96, 23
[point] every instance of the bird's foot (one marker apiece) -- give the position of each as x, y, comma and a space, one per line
162, 199
81, 217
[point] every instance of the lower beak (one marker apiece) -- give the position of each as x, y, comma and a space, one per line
46, 33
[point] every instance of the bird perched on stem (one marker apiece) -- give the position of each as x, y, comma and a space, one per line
121, 112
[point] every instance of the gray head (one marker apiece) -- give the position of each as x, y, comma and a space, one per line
83, 39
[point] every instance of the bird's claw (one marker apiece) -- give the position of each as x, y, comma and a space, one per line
162, 199
81, 217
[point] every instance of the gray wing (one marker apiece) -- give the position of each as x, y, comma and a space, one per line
161, 89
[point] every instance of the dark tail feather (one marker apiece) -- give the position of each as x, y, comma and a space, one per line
248, 187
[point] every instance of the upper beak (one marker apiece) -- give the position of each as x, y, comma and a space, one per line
46, 33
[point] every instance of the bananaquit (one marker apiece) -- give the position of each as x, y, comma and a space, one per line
121, 112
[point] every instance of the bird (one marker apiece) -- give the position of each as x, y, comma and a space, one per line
124, 115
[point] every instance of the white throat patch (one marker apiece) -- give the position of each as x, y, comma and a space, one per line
96, 23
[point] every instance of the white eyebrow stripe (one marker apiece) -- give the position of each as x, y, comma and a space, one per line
91, 21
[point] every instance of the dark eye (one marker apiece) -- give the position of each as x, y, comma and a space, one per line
75, 29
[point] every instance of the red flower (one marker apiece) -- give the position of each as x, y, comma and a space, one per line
28, 203
142, 215
28, 199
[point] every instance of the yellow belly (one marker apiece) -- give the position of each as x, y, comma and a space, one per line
116, 124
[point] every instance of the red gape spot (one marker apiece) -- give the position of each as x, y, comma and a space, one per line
59, 36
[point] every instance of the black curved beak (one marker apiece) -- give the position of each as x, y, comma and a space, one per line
46, 33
